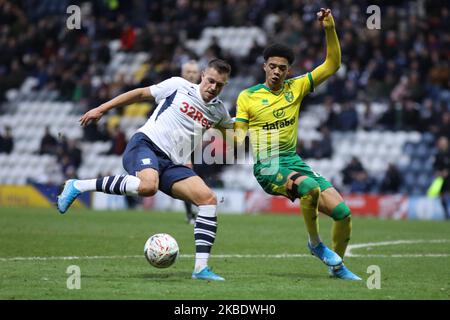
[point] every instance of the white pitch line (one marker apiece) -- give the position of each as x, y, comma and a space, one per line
219, 256
428, 255
67, 258
349, 253
270, 256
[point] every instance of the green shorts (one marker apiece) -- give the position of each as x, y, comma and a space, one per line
272, 174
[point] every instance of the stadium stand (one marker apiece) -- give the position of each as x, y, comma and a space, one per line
402, 75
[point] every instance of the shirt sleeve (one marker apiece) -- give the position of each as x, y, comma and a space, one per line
227, 122
165, 88
242, 108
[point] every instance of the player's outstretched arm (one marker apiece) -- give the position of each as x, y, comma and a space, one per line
236, 134
129, 97
333, 59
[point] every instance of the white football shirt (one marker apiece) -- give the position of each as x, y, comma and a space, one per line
178, 122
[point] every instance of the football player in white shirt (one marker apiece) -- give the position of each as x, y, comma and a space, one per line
190, 71
155, 155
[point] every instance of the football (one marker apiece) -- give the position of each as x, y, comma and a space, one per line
161, 250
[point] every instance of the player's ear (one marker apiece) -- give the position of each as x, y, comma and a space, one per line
289, 72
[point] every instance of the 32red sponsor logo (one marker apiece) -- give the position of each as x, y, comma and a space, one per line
195, 114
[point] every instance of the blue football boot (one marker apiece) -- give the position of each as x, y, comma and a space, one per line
342, 272
67, 196
207, 274
329, 257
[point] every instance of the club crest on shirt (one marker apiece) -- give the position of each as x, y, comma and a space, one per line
289, 96
278, 113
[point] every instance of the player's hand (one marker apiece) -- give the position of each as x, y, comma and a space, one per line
326, 18
92, 115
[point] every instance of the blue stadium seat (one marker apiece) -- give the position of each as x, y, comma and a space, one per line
409, 148
416, 191
422, 151
415, 166
428, 139
423, 181
409, 179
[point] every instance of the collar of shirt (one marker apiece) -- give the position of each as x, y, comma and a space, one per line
197, 90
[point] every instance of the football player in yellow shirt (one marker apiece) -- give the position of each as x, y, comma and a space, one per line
269, 113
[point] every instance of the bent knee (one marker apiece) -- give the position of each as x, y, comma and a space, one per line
208, 198
341, 212
148, 188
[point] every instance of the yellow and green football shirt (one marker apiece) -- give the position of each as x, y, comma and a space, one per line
272, 117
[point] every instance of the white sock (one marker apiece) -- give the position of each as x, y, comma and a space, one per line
85, 185
207, 210
205, 234
201, 261
132, 185
121, 185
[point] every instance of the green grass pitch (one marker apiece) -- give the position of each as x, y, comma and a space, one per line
108, 249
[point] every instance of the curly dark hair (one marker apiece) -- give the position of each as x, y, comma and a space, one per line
279, 50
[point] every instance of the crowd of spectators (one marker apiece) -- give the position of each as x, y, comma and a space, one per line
67, 152
404, 64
